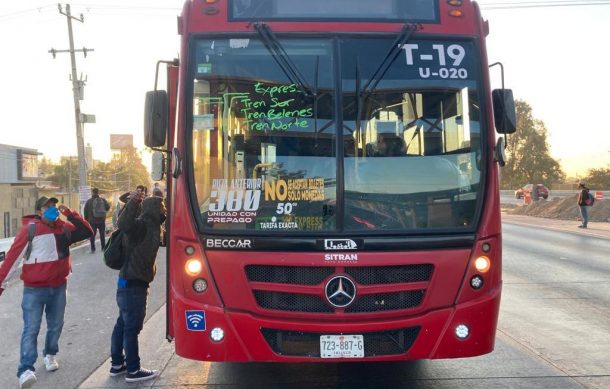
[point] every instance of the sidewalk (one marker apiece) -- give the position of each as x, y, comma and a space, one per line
595, 229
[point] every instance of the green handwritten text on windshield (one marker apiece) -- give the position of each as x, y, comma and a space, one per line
273, 108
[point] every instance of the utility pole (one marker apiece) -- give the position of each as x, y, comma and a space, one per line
77, 88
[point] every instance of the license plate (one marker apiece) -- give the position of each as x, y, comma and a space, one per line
342, 346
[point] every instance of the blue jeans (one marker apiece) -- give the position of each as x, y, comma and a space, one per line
124, 342
36, 301
584, 212
101, 227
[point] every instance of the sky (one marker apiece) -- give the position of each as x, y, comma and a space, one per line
555, 58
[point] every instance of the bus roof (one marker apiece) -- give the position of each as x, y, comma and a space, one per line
460, 17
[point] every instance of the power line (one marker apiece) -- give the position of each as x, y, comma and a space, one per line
120, 9
126, 7
116, 9
24, 12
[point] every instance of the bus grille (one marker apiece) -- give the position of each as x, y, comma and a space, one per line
386, 301
288, 274
390, 274
291, 302
312, 300
307, 344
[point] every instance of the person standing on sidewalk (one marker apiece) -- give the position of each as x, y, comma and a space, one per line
140, 221
583, 195
95, 213
44, 242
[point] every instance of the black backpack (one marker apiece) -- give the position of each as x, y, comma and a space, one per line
589, 199
31, 233
115, 252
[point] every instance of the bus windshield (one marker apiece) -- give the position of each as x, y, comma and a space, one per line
326, 154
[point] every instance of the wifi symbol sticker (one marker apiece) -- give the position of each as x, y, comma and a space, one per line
195, 320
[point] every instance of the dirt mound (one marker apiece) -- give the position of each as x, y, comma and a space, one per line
564, 208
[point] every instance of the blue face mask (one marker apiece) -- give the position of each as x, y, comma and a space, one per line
51, 214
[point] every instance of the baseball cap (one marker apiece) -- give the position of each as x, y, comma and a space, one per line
44, 200
582, 184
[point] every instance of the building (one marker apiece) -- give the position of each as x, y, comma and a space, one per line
18, 191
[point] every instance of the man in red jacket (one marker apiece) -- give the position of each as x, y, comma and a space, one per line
45, 270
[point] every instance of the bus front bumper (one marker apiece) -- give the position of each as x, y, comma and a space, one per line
250, 338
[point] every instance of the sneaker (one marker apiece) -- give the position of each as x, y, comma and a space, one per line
50, 363
141, 375
118, 370
581, 226
27, 379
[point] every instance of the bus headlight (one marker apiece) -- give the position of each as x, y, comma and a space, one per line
462, 331
476, 282
200, 285
217, 334
193, 267
482, 264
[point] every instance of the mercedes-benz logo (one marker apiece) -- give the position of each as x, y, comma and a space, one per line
340, 291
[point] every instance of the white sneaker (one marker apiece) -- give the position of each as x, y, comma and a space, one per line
27, 379
51, 363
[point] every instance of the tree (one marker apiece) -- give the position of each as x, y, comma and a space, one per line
529, 160
598, 178
45, 167
65, 174
123, 173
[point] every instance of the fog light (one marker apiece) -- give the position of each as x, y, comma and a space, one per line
476, 282
189, 250
462, 331
486, 247
482, 264
200, 285
193, 267
217, 334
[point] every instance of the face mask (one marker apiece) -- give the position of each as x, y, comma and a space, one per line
51, 214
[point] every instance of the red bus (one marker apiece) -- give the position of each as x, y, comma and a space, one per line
333, 183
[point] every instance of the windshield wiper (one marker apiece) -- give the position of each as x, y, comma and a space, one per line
402, 38
281, 57
388, 60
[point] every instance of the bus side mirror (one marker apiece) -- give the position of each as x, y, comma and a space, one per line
157, 166
155, 118
505, 117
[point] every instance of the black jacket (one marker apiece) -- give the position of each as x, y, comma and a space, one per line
142, 238
582, 196
88, 211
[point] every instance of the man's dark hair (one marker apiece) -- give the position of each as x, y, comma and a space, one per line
142, 188
95, 191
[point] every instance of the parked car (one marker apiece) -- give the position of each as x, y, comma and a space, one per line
542, 190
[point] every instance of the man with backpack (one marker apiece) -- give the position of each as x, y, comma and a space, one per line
140, 223
585, 199
95, 213
44, 242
